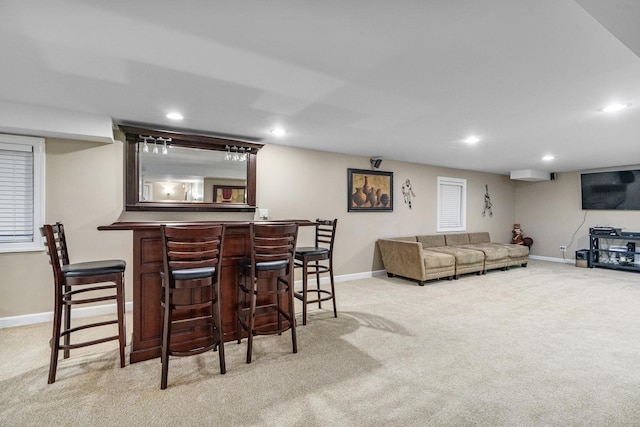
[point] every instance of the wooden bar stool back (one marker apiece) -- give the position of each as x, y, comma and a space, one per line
317, 260
191, 321
265, 289
72, 289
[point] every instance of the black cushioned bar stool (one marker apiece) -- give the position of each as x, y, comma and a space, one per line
71, 289
266, 282
316, 260
191, 319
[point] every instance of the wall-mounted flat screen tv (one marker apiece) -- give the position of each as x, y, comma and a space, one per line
618, 190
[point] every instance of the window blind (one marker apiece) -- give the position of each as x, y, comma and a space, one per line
452, 194
450, 205
16, 193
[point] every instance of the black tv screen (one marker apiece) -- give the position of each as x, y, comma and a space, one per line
619, 190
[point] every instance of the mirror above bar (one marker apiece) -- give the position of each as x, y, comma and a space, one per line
169, 170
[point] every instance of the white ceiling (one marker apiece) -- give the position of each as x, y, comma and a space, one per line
404, 80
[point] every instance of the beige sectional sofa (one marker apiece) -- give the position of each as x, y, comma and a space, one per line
429, 257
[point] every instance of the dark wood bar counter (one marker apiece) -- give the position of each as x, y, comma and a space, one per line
147, 286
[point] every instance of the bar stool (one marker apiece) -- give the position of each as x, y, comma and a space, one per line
309, 259
191, 293
265, 276
70, 282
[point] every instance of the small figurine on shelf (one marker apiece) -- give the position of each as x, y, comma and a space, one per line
517, 236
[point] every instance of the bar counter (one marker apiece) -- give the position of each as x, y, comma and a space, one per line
147, 286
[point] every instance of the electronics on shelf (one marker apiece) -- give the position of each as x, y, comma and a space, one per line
605, 231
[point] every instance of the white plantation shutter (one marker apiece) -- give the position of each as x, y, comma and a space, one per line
452, 195
21, 193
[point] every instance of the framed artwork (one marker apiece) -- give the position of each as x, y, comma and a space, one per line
229, 194
369, 190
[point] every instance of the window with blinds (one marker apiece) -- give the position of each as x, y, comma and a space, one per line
21, 193
452, 204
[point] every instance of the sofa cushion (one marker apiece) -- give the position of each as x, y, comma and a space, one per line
480, 237
433, 259
432, 241
515, 251
456, 239
491, 252
464, 256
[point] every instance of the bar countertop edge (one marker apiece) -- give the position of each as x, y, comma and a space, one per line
146, 225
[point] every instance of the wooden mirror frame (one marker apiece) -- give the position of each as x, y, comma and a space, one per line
179, 138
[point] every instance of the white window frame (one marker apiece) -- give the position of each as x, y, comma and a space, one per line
36, 146
452, 204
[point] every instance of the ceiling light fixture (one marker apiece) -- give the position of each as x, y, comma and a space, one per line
472, 140
548, 158
278, 132
175, 116
614, 107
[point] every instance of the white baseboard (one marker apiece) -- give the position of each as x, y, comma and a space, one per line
553, 259
30, 319
364, 275
345, 277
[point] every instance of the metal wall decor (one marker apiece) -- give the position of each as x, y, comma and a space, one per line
487, 202
407, 192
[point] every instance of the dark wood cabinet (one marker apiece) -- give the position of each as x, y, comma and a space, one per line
147, 286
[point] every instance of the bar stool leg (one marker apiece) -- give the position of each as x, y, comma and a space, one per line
304, 292
333, 289
67, 320
317, 267
292, 312
166, 341
241, 303
55, 341
279, 304
122, 336
252, 318
218, 330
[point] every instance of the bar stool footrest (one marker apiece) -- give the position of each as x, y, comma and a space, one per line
329, 297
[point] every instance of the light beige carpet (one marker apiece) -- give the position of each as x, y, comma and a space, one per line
546, 345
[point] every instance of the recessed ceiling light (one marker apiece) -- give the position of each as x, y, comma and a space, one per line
548, 158
472, 140
614, 107
278, 132
175, 116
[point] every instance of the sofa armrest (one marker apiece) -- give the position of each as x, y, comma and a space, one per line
403, 258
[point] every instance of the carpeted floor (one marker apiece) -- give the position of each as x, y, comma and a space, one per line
546, 345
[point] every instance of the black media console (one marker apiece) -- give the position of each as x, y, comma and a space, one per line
612, 248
